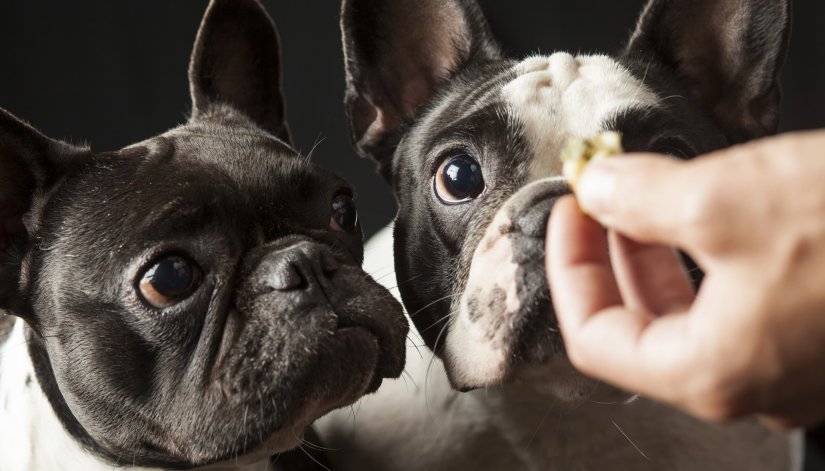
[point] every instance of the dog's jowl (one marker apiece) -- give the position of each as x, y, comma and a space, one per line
193, 299
471, 141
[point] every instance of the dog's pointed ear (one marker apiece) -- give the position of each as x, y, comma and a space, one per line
237, 61
728, 52
30, 165
396, 54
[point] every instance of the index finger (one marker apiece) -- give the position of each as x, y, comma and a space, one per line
649, 198
630, 349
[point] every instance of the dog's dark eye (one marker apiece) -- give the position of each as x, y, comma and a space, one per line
169, 281
458, 179
674, 148
671, 151
344, 215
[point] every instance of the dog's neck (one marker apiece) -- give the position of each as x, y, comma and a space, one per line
31, 435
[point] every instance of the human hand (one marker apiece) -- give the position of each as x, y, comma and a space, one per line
752, 340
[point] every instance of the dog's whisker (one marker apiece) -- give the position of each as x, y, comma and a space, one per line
540, 425
672, 97
411, 343
245, 409
432, 360
629, 440
385, 275
313, 446
309, 455
641, 86
405, 282
318, 141
435, 324
449, 296
261, 406
406, 374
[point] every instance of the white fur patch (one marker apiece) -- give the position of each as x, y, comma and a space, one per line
31, 437
474, 350
559, 96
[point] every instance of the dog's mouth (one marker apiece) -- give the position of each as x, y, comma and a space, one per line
367, 338
383, 367
366, 311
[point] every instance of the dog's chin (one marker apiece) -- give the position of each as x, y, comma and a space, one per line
360, 374
559, 379
479, 363
346, 369
371, 378
556, 377
352, 363
263, 404
492, 341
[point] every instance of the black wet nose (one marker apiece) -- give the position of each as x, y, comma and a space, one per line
297, 267
530, 207
532, 222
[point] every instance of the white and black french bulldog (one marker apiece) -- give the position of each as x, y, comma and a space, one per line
193, 300
470, 141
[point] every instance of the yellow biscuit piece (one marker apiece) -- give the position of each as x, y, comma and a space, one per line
579, 152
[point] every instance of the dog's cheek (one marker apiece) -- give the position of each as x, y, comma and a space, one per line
493, 274
478, 339
91, 379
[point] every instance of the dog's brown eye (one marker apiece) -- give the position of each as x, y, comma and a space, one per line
344, 215
169, 281
458, 179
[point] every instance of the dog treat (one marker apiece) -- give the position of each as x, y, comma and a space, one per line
579, 152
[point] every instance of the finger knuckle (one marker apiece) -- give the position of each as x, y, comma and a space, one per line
717, 397
575, 353
580, 356
718, 410
701, 214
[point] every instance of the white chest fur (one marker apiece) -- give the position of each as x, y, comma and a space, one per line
31, 436
417, 422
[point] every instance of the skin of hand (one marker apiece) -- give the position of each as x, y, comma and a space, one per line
752, 339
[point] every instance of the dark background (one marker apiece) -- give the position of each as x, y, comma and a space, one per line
113, 72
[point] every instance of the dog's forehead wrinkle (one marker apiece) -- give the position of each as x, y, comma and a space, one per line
484, 93
255, 163
453, 103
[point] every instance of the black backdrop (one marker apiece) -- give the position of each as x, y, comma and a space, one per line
112, 72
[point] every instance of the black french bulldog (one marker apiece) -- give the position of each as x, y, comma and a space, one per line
192, 300
470, 141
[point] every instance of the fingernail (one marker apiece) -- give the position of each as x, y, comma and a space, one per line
596, 188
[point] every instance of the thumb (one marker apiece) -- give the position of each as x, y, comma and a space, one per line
645, 197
